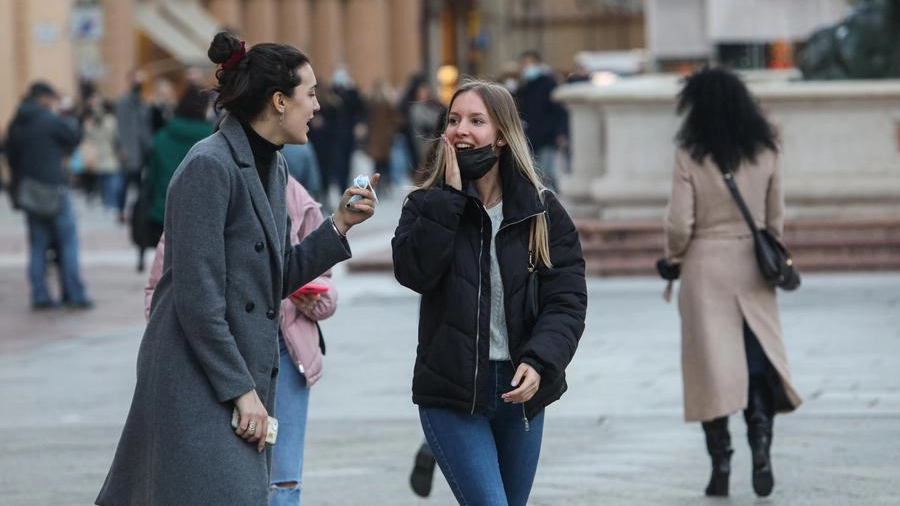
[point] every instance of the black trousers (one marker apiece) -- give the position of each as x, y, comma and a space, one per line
757, 362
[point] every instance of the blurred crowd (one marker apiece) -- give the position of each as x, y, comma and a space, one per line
127, 148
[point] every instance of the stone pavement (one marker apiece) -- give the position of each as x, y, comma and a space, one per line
615, 438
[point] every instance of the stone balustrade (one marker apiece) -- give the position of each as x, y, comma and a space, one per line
840, 157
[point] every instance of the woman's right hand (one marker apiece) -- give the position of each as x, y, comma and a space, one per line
349, 214
252, 415
451, 166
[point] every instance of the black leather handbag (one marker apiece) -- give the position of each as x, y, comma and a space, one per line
772, 255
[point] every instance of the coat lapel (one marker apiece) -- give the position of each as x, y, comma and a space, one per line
237, 139
278, 200
277, 185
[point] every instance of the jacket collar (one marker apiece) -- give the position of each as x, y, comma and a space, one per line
237, 140
520, 197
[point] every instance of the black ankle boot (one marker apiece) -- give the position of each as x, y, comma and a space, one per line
759, 416
718, 444
422, 475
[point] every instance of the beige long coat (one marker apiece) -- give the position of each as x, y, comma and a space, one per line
720, 281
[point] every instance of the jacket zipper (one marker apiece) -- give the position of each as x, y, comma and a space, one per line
505, 225
524, 418
478, 313
525, 421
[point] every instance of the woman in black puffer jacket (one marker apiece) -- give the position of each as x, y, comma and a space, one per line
485, 369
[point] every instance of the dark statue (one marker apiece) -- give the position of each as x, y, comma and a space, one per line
865, 45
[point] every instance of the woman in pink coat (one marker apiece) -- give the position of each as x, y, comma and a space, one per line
301, 350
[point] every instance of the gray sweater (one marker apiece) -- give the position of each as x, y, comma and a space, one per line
499, 339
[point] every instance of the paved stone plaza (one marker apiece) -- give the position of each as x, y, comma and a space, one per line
616, 438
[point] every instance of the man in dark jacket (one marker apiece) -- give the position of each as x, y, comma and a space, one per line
39, 140
545, 120
135, 136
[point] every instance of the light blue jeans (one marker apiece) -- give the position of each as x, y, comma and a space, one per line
291, 408
109, 189
545, 159
60, 232
490, 459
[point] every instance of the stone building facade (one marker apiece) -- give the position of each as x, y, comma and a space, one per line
63, 40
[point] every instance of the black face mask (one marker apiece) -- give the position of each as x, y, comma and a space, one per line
476, 162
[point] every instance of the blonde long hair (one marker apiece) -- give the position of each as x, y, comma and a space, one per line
502, 110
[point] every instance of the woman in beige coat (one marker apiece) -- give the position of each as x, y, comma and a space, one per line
733, 357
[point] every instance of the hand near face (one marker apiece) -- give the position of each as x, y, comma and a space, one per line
451, 166
358, 211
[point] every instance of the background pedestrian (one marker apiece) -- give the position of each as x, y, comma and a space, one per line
733, 356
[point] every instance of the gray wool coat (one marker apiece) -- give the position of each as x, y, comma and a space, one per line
212, 332
721, 285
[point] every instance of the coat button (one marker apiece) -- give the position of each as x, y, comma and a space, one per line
270, 314
259, 247
249, 307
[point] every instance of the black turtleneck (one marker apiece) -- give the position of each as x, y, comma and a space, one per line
263, 153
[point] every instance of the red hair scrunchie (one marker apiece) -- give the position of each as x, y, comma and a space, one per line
235, 57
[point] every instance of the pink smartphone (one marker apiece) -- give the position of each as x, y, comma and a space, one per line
310, 289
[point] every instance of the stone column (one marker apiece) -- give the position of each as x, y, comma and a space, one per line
586, 126
260, 21
368, 41
118, 46
406, 40
327, 43
228, 13
294, 18
9, 88
47, 47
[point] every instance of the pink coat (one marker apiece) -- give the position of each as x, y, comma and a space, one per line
301, 334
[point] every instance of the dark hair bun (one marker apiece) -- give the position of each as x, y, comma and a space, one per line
222, 46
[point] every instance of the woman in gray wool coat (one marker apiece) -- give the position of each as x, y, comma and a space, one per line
211, 341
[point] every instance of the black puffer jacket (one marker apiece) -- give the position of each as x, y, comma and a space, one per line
441, 249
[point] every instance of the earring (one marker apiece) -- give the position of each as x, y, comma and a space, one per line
281, 117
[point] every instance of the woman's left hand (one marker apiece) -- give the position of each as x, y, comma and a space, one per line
349, 214
527, 381
305, 301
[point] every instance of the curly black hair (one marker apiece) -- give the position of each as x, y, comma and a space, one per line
723, 120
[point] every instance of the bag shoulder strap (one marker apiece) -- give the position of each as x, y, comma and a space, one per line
732, 186
531, 254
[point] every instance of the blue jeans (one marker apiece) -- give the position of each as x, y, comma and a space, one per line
61, 233
490, 459
109, 189
291, 406
545, 159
